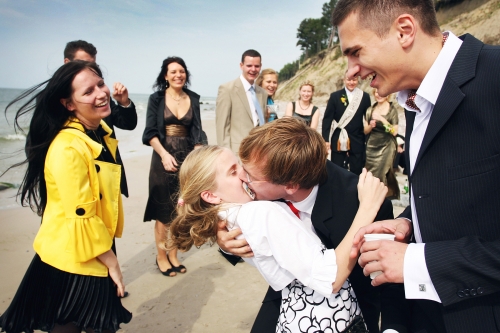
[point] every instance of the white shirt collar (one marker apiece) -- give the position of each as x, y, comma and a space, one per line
307, 205
246, 84
433, 81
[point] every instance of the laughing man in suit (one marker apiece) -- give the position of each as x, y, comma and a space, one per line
347, 108
328, 207
449, 87
240, 104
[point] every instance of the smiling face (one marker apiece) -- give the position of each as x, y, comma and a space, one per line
250, 68
381, 60
263, 189
350, 83
89, 99
378, 98
229, 186
176, 75
270, 83
305, 93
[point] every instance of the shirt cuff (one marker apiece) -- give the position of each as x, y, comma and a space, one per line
128, 106
417, 281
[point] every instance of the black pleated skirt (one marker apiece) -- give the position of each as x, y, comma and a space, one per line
48, 296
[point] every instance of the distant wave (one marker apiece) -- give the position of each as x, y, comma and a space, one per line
13, 137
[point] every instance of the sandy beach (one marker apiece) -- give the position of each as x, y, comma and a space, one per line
213, 296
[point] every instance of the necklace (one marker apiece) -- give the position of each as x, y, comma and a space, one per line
178, 100
99, 140
302, 107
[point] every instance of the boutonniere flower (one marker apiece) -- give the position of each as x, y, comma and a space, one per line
343, 99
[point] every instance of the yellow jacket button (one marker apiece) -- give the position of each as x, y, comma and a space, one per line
80, 211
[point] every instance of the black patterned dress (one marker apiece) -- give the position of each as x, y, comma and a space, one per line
164, 185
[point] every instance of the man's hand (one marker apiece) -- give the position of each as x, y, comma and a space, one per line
400, 228
228, 243
327, 145
120, 94
386, 256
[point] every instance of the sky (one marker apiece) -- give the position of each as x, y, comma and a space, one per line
134, 36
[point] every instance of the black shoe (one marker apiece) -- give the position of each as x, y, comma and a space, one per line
167, 272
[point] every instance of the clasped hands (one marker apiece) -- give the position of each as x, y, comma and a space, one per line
383, 255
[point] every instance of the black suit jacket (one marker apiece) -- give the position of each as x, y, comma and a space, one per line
123, 118
334, 210
455, 183
334, 111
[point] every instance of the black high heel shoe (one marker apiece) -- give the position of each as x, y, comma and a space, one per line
177, 268
168, 271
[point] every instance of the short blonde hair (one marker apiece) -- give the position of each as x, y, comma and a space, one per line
266, 71
196, 220
288, 152
307, 83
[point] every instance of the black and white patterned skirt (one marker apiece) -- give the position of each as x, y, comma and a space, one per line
304, 310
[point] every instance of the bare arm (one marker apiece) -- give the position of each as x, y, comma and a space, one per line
315, 120
289, 110
371, 192
111, 262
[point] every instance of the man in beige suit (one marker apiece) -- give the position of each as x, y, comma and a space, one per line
240, 104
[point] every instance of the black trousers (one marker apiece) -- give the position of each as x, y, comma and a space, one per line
354, 162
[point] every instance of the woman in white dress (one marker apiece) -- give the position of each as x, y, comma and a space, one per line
287, 253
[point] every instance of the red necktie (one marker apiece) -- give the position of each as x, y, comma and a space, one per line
293, 209
412, 93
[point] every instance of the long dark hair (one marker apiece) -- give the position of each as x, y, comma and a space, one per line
161, 84
49, 117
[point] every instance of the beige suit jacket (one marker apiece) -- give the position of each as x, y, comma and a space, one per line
233, 116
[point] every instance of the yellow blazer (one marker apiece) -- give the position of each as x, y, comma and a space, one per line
84, 205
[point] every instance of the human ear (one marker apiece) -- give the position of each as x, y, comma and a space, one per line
291, 189
406, 27
66, 60
67, 104
209, 197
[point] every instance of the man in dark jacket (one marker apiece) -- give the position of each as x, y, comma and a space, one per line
347, 107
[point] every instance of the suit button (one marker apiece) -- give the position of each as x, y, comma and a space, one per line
473, 292
466, 292
97, 168
100, 196
461, 294
80, 211
480, 290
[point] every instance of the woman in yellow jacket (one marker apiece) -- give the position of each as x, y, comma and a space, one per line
74, 282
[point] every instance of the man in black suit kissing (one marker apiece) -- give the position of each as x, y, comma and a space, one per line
276, 158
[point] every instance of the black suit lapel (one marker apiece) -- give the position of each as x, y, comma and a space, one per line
450, 97
322, 211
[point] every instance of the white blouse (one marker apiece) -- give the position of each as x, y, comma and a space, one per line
284, 248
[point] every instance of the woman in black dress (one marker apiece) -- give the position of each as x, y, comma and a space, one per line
173, 129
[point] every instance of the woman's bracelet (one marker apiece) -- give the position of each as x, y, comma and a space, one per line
389, 128
162, 156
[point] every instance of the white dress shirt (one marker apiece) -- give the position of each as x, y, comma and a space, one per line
284, 247
417, 281
246, 86
349, 93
